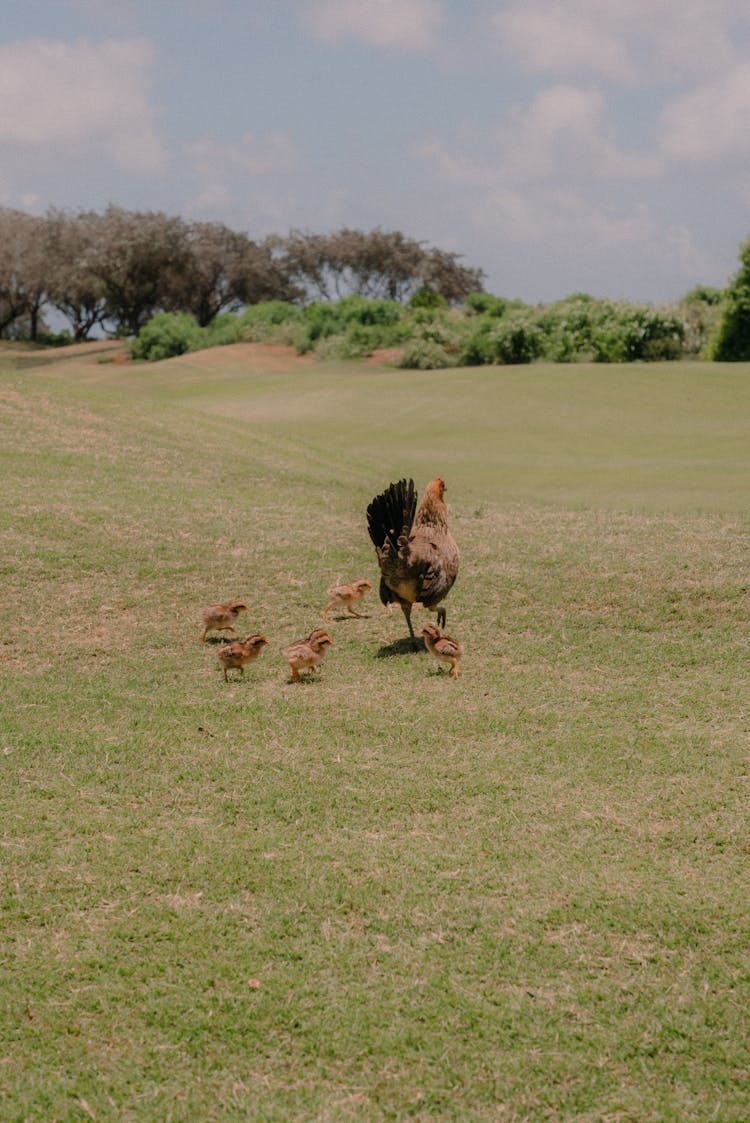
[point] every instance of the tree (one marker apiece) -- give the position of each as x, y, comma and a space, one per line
228, 270
75, 289
442, 273
23, 272
141, 259
732, 340
378, 265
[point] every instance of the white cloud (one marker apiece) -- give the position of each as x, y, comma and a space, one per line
82, 94
537, 208
409, 25
564, 134
256, 154
709, 125
553, 40
641, 40
534, 188
249, 181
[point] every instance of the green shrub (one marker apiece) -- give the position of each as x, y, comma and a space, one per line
426, 298
476, 347
372, 312
703, 294
424, 354
633, 332
731, 341
699, 312
570, 325
271, 321
517, 338
485, 304
222, 330
165, 335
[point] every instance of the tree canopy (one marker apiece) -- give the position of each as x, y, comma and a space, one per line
115, 270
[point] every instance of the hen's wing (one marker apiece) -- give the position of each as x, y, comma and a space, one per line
390, 517
430, 555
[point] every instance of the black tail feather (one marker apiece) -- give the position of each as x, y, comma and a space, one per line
391, 513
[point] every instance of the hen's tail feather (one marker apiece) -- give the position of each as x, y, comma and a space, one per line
391, 513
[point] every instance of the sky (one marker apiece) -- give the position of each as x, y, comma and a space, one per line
562, 146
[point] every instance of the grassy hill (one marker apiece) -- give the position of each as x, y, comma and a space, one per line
382, 893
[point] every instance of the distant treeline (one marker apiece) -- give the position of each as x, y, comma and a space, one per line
173, 286
114, 271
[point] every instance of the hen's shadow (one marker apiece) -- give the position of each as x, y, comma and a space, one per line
405, 646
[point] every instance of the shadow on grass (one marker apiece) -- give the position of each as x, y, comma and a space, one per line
346, 616
405, 646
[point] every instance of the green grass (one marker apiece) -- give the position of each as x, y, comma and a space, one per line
382, 894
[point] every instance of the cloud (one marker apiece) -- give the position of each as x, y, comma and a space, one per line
249, 180
552, 40
408, 25
655, 41
256, 154
534, 209
564, 134
533, 186
85, 95
709, 125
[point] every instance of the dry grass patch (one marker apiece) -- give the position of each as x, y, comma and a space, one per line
380, 894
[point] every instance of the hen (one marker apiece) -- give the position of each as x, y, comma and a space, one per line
416, 551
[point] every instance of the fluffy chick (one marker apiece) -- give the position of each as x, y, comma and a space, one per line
443, 647
307, 654
345, 596
240, 652
221, 617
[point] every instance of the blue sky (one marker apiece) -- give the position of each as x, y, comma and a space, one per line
561, 145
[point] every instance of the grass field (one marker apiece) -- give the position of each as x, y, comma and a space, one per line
382, 894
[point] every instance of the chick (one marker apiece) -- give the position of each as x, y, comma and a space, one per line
240, 652
306, 654
221, 617
443, 647
344, 596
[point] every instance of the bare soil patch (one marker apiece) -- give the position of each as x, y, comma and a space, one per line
246, 356
385, 356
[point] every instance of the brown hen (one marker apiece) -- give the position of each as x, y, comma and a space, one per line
416, 551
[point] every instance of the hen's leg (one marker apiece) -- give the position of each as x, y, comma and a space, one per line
406, 609
441, 617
